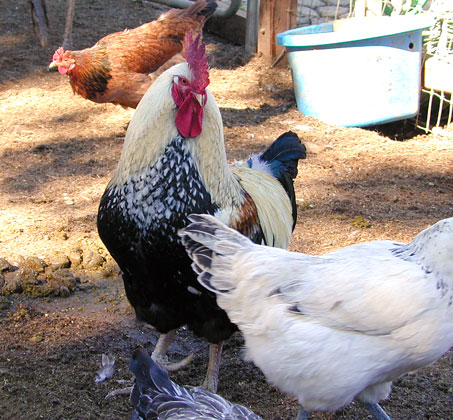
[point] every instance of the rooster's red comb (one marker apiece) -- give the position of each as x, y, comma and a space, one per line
57, 54
198, 62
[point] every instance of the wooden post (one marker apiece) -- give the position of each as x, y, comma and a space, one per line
275, 16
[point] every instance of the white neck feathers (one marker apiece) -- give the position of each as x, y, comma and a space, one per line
153, 127
433, 249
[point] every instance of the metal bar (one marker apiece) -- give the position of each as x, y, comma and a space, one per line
220, 12
251, 28
428, 115
450, 109
441, 107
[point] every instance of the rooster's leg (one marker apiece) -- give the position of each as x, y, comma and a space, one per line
211, 381
160, 353
377, 411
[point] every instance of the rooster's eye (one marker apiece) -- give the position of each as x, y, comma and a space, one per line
183, 80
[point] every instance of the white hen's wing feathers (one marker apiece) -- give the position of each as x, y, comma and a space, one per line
365, 288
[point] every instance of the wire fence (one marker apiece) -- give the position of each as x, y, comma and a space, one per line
437, 92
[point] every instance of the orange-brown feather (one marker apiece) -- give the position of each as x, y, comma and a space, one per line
248, 222
117, 68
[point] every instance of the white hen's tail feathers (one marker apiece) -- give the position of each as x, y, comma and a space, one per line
213, 246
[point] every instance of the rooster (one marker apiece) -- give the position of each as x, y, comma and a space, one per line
155, 396
328, 329
173, 164
121, 67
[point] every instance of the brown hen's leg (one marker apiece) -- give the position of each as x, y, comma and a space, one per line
211, 381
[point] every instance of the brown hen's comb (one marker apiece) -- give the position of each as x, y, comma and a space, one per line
198, 62
57, 54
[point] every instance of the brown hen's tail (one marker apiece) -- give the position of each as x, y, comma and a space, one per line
175, 23
201, 10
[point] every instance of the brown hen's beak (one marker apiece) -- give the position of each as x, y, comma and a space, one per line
53, 66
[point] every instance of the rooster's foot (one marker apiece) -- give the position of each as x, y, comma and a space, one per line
173, 366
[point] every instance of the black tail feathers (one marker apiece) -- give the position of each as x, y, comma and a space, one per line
283, 155
282, 158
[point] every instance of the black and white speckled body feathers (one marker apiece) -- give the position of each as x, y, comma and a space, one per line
139, 221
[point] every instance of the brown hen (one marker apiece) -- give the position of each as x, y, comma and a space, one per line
120, 67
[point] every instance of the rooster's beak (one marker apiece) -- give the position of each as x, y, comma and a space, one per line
200, 98
53, 66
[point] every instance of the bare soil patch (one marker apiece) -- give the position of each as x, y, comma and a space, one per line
57, 153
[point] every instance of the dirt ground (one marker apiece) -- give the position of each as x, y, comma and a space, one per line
65, 305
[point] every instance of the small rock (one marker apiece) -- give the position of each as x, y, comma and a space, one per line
45, 289
2, 280
111, 269
60, 262
11, 285
62, 235
92, 260
75, 256
36, 339
35, 264
5, 265
64, 291
63, 277
27, 276
29, 281
269, 87
68, 200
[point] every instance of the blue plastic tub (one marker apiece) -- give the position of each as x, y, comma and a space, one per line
357, 72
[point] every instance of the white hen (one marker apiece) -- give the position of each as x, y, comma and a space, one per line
331, 328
